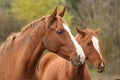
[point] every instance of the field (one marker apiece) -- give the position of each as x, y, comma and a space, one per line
105, 77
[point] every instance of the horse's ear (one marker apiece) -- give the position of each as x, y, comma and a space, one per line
97, 31
62, 12
81, 32
53, 15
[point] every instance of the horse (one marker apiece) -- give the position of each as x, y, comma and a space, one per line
20, 53
53, 67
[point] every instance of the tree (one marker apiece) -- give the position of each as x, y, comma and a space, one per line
8, 23
5, 4
34, 9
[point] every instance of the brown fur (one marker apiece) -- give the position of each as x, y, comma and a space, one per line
53, 67
6, 46
20, 53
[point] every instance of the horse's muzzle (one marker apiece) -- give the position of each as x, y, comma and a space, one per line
100, 67
75, 62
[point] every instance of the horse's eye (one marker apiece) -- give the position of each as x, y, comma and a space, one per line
88, 44
60, 32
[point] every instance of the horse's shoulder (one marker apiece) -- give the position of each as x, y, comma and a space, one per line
45, 61
47, 58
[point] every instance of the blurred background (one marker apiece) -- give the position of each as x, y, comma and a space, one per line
103, 14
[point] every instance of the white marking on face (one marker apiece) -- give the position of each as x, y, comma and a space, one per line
102, 65
96, 45
79, 49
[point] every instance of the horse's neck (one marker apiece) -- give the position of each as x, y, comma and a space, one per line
77, 71
31, 49
81, 72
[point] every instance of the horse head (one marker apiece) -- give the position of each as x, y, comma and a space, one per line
91, 46
58, 38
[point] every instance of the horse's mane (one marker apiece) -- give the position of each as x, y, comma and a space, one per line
6, 46
32, 24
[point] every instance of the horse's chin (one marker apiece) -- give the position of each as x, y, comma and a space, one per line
100, 70
75, 62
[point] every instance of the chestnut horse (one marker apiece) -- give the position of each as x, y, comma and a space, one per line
20, 53
53, 67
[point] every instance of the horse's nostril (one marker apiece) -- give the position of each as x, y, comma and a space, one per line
101, 65
79, 57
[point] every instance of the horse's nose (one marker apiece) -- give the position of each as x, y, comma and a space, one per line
101, 67
81, 58
78, 57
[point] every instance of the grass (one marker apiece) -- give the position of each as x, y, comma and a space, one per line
103, 76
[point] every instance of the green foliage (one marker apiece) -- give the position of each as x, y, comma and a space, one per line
15, 13
8, 24
5, 4
33, 9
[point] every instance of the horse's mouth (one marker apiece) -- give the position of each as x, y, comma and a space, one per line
100, 69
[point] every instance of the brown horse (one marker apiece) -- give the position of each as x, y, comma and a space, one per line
20, 53
53, 67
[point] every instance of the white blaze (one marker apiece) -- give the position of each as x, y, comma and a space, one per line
79, 50
96, 45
